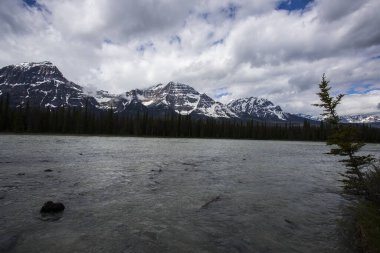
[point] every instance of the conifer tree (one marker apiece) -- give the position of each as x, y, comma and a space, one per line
346, 141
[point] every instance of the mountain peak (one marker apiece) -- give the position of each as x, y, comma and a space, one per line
30, 73
156, 87
39, 84
178, 87
257, 108
34, 64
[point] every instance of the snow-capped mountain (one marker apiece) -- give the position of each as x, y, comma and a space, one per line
355, 119
362, 118
177, 97
258, 108
310, 117
40, 84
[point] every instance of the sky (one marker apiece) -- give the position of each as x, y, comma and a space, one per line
273, 49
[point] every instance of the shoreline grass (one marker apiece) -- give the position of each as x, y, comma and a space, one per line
368, 225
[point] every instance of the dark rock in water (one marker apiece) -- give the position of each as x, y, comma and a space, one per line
48, 170
20, 174
51, 207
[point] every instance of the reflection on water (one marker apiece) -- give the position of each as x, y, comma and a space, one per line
169, 195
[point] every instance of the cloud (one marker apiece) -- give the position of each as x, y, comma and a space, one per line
330, 11
225, 48
360, 103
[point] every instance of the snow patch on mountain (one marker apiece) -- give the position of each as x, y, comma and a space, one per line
180, 98
253, 107
362, 118
311, 117
355, 119
42, 84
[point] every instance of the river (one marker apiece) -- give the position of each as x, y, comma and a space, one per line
171, 195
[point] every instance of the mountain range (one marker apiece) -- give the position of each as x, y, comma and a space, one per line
42, 84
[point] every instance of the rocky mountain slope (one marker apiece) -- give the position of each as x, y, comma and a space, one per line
259, 108
41, 84
177, 97
355, 119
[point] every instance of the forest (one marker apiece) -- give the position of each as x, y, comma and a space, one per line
86, 121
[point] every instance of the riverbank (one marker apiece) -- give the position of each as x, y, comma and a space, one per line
368, 222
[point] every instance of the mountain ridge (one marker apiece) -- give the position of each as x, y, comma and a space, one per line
42, 84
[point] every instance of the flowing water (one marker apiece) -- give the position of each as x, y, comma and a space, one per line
170, 195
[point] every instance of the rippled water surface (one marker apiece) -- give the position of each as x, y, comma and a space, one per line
170, 195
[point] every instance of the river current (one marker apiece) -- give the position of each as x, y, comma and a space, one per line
171, 195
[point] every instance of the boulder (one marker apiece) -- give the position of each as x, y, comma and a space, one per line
51, 207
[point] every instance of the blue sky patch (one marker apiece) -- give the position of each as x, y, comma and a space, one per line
221, 41
204, 15
230, 11
293, 5
35, 4
222, 92
360, 89
107, 41
175, 40
145, 46
30, 3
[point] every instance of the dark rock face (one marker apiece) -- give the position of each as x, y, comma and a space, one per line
41, 85
172, 98
36, 72
179, 97
51, 207
257, 108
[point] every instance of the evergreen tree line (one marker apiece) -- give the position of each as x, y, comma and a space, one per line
76, 120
